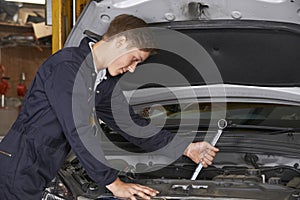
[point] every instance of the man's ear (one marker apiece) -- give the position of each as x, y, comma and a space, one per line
120, 41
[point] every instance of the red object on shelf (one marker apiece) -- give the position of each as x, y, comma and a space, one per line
21, 89
4, 86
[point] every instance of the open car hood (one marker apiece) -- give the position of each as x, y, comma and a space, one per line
250, 42
98, 13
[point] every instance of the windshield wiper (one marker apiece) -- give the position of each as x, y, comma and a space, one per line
275, 129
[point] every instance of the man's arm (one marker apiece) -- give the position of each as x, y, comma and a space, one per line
114, 99
59, 89
112, 107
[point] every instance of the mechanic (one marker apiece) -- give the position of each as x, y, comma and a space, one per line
47, 127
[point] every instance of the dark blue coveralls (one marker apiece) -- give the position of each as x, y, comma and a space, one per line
43, 134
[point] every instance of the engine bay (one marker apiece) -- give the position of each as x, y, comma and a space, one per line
173, 181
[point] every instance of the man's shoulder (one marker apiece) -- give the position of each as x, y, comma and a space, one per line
74, 54
68, 58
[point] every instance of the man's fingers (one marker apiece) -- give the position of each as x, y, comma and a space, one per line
142, 195
207, 161
208, 158
153, 192
130, 190
132, 198
214, 149
203, 163
211, 150
210, 153
200, 150
144, 191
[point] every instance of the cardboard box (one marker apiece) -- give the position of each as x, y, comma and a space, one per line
41, 30
24, 13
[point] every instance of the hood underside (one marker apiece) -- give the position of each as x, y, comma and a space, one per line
244, 52
251, 43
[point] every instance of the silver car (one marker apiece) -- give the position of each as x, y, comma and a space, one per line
218, 59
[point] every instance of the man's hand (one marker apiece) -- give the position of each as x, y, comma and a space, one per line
129, 190
201, 152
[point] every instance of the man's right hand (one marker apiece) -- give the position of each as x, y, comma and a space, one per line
201, 152
129, 190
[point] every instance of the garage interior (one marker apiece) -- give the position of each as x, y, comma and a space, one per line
234, 62
30, 31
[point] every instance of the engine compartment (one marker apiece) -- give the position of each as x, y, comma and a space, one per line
272, 182
247, 169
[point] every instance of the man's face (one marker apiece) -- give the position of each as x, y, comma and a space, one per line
127, 62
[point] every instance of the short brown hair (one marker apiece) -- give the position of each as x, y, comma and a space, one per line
139, 37
122, 23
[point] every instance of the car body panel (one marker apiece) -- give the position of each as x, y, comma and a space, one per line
240, 93
99, 13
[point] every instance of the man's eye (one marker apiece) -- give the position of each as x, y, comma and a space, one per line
135, 59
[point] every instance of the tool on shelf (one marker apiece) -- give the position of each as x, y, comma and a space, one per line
21, 87
4, 86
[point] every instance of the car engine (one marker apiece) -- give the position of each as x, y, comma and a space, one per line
277, 182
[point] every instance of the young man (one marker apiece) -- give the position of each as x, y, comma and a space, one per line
57, 115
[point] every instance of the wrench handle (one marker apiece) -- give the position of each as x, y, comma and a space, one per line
196, 172
216, 138
222, 123
213, 143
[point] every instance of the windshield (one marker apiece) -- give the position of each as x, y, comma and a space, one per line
260, 114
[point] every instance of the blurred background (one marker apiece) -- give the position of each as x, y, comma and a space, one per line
30, 31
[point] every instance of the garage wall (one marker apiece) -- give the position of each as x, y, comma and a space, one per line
17, 59
22, 59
